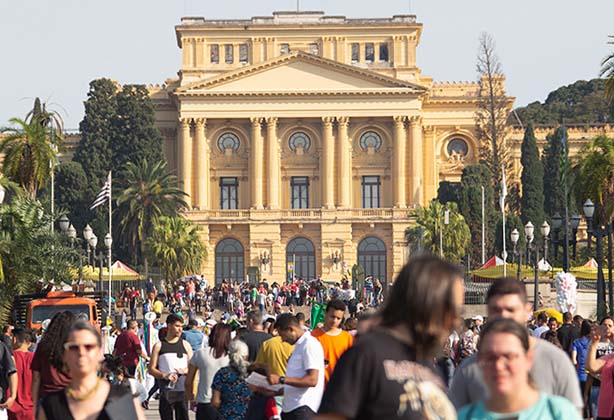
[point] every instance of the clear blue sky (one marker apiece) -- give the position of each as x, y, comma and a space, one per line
53, 49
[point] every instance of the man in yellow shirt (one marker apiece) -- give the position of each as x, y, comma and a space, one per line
158, 306
275, 354
333, 339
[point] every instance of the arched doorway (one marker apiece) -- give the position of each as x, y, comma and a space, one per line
229, 260
302, 253
372, 258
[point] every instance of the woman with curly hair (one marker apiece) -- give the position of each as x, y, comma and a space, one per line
48, 374
231, 394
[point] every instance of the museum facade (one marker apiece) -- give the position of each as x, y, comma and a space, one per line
305, 141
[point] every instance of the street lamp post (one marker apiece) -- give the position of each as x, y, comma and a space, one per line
529, 231
87, 234
514, 236
545, 230
599, 232
93, 242
575, 223
108, 242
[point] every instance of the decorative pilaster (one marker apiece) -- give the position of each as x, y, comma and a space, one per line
273, 158
430, 163
202, 165
415, 172
328, 152
184, 157
398, 162
257, 159
345, 163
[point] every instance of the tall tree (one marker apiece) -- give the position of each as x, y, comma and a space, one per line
430, 229
607, 71
449, 192
137, 138
176, 246
532, 179
493, 107
150, 192
475, 177
596, 177
94, 151
554, 160
71, 192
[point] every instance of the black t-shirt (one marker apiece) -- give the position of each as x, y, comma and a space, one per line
254, 340
379, 378
566, 335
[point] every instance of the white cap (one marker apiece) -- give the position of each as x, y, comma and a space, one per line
478, 318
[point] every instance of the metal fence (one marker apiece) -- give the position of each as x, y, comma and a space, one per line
475, 293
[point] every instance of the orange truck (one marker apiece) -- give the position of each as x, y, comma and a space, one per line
31, 310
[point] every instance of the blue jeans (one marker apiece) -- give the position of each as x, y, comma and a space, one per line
592, 400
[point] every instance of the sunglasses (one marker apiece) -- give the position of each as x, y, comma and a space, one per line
75, 347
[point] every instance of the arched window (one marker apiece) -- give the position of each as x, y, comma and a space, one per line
370, 139
372, 258
229, 260
457, 146
301, 253
299, 139
228, 141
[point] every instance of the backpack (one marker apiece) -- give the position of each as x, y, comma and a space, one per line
467, 345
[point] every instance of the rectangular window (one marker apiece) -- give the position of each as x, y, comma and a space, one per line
229, 54
355, 53
299, 188
383, 52
243, 53
229, 193
314, 49
215, 54
369, 52
284, 48
370, 192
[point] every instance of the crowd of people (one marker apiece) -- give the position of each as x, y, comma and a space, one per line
412, 358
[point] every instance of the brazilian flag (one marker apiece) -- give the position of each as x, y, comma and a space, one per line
317, 314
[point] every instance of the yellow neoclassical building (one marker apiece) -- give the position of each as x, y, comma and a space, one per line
304, 140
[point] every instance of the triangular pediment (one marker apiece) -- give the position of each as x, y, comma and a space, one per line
300, 72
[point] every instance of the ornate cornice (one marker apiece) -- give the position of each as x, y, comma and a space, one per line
374, 92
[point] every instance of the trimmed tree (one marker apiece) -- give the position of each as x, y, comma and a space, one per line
449, 192
70, 192
475, 177
532, 179
137, 138
553, 159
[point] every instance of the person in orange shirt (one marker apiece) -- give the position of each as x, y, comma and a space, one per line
333, 339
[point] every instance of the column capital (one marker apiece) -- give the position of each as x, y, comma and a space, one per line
343, 120
200, 122
328, 120
271, 121
399, 119
415, 120
256, 121
185, 121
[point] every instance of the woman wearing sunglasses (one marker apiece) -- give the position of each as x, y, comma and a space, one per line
505, 358
87, 396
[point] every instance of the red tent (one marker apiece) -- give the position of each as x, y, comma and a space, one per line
494, 261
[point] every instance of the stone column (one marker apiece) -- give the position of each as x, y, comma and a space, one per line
415, 173
257, 159
202, 165
398, 162
186, 47
273, 168
344, 162
184, 157
328, 151
200, 53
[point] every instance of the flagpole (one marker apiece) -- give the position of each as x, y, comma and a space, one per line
502, 205
110, 242
483, 244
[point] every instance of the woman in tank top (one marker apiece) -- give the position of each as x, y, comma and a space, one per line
88, 395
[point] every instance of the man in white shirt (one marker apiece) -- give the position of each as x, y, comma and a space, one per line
304, 380
542, 322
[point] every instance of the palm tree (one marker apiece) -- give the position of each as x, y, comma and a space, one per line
607, 70
425, 235
150, 192
596, 177
176, 246
28, 150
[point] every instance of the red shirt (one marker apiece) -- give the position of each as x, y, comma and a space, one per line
127, 346
23, 408
52, 379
